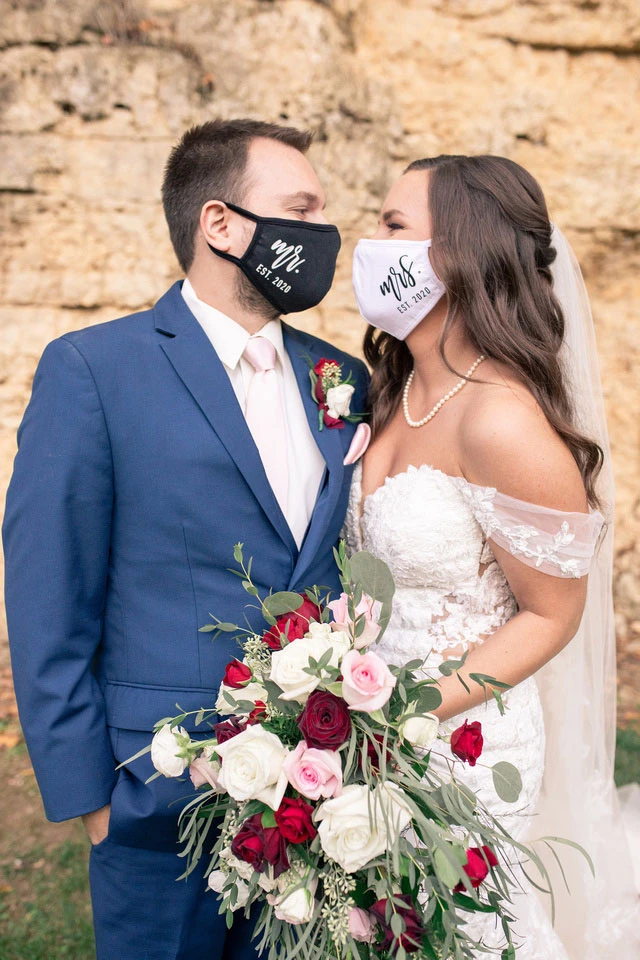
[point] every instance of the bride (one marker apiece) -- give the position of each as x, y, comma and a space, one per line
487, 490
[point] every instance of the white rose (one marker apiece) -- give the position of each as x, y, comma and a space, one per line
319, 631
341, 643
393, 809
164, 751
338, 640
298, 905
241, 867
361, 824
252, 765
242, 895
421, 732
339, 400
267, 881
228, 697
288, 667
217, 880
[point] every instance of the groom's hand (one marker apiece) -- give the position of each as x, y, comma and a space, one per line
97, 824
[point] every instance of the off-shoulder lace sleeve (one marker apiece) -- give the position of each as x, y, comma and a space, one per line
555, 542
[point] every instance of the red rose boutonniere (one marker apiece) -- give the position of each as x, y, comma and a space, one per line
332, 394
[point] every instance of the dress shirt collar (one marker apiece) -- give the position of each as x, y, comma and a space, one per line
228, 338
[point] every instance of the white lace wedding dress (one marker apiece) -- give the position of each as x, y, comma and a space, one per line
433, 531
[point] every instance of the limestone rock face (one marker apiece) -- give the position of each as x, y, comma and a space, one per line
93, 95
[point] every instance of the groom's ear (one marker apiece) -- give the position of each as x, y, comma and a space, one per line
216, 226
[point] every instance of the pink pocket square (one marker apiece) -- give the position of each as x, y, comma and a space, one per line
359, 444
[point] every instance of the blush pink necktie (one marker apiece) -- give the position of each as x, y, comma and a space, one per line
265, 416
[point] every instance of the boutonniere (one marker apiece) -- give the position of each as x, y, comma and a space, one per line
333, 394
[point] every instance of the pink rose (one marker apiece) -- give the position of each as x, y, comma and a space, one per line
367, 681
367, 606
205, 771
361, 926
314, 773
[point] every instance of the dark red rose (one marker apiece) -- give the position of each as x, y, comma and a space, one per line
333, 423
325, 722
476, 866
248, 843
321, 396
237, 674
293, 625
294, 820
466, 742
258, 713
321, 364
227, 729
275, 850
258, 846
411, 939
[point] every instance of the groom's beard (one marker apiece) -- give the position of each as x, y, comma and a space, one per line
252, 300
248, 297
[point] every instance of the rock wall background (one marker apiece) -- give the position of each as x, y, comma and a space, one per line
92, 96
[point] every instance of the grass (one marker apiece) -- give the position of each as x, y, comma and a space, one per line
627, 757
45, 913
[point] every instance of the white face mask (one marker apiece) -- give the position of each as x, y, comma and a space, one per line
395, 284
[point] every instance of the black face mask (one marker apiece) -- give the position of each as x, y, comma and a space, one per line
290, 262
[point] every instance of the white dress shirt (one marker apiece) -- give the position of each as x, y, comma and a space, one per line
305, 462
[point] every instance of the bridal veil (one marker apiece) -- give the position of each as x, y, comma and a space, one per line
601, 917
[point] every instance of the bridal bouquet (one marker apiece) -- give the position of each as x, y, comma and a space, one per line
320, 803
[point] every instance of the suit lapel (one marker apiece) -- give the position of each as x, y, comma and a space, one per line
197, 364
302, 354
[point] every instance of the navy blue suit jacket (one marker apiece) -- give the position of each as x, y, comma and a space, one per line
135, 476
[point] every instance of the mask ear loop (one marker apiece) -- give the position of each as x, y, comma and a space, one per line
240, 261
243, 212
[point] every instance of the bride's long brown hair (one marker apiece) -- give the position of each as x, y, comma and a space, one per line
491, 248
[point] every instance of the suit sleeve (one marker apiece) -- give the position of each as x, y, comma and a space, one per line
56, 536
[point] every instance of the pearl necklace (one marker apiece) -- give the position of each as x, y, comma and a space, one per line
440, 403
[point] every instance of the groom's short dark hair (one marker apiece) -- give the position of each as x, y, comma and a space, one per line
209, 163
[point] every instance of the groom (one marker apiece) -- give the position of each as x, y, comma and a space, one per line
151, 445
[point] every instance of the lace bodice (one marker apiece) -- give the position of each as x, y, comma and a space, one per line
435, 533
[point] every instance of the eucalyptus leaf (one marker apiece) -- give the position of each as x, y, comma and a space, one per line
413, 665
398, 926
252, 807
448, 667
472, 905
275, 693
429, 699
279, 604
375, 579
445, 870
378, 717
373, 575
507, 781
